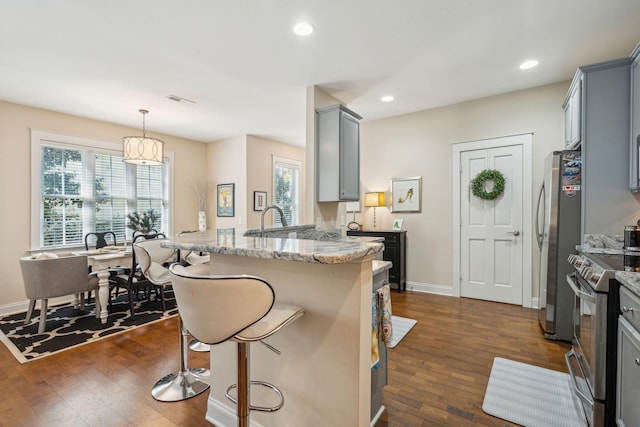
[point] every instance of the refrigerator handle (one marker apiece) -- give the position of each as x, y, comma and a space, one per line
539, 236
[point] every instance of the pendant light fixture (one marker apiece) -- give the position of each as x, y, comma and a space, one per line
141, 150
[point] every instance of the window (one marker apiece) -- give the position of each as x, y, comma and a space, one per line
82, 185
286, 189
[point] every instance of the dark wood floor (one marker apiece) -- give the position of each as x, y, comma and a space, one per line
437, 374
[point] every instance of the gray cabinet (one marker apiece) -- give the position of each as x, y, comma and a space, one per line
634, 182
604, 142
573, 114
628, 375
337, 154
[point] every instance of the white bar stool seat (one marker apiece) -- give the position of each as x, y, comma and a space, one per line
239, 308
187, 382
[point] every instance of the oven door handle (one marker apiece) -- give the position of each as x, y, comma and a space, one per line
580, 394
575, 287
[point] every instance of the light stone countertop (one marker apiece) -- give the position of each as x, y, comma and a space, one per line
602, 244
312, 251
380, 266
629, 280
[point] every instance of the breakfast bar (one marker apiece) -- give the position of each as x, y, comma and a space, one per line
324, 368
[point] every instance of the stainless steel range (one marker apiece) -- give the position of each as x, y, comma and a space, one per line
592, 358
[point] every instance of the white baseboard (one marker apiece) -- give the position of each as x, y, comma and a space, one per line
221, 415
429, 288
23, 306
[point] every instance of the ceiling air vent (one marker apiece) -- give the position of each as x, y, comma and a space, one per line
180, 99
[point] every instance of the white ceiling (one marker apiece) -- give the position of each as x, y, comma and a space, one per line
248, 73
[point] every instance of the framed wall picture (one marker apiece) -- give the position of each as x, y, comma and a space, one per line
406, 194
226, 199
259, 200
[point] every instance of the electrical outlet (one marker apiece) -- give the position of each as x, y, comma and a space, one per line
342, 221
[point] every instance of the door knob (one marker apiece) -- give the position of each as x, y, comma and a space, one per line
515, 233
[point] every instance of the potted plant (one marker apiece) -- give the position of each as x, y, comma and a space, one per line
142, 222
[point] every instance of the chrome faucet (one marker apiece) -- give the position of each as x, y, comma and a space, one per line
283, 220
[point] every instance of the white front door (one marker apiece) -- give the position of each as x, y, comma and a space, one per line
491, 231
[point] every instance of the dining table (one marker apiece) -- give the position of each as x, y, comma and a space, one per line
101, 260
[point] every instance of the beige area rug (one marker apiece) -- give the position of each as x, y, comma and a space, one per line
401, 327
531, 396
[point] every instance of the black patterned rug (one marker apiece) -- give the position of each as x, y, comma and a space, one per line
68, 327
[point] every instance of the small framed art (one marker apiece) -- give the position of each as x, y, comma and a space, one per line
259, 200
226, 199
406, 194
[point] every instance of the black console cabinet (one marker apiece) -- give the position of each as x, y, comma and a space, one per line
395, 250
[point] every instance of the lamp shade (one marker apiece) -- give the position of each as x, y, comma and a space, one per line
374, 199
142, 150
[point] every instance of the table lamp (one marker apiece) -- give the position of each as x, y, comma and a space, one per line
374, 200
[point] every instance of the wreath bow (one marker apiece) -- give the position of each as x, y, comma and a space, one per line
479, 184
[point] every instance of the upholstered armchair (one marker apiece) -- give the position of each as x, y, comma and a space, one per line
54, 276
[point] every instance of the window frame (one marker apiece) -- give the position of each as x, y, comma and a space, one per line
40, 138
292, 163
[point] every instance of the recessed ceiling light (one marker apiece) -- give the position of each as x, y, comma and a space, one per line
528, 64
303, 29
386, 98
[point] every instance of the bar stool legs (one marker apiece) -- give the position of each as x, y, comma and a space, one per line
242, 407
187, 382
243, 388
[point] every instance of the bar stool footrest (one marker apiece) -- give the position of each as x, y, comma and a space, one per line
273, 388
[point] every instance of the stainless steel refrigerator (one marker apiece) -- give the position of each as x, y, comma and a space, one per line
558, 233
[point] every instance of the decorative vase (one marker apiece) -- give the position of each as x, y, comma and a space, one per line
202, 221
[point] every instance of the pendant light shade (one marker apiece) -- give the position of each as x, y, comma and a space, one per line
141, 150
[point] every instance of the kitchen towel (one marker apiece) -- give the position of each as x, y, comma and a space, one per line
385, 315
375, 351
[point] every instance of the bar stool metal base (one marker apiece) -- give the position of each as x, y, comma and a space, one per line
185, 383
181, 385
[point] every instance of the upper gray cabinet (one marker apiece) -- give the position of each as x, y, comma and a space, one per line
337, 154
573, 114
604, 136
634, 182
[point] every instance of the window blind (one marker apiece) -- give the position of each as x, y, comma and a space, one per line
286, 189
85, 190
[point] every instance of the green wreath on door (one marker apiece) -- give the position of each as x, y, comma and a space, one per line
479, 184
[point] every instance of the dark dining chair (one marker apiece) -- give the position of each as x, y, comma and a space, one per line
100, 239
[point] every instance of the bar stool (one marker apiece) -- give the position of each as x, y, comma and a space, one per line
196, 259
187, 382
239, 308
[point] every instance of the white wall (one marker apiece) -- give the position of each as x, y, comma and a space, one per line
226, 164
15, 175
420, 144
260, 152
246, 161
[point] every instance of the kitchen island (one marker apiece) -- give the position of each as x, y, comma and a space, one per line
324, 369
